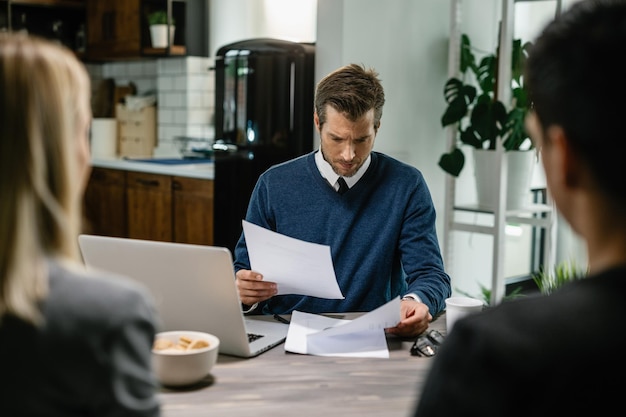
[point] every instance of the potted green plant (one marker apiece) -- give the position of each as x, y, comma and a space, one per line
159, 23
485, 294
482, 120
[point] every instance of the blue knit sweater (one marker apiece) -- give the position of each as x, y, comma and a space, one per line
381, 233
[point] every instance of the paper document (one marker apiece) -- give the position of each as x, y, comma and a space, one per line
315, 334
296, 266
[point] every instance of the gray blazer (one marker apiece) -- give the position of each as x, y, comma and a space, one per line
91, 357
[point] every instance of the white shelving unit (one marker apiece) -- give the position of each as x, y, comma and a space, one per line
536, 215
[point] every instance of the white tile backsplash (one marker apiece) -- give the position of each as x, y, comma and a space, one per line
208, 100
145, 86
194, 99
198, 116
180, 82
165, 83
172, 100
166, 116
135, 69
171, 66
185, 89
181, 116
198, 82
149, 69
198, 65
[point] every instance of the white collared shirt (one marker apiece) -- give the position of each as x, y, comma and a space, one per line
331, 176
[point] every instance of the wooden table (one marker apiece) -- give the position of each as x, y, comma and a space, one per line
277, 383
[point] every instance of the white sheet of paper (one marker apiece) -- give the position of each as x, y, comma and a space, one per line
296, 266
314, 334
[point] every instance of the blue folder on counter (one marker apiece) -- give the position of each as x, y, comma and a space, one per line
172, 161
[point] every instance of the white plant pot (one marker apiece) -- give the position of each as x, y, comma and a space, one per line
158, 35
520, 166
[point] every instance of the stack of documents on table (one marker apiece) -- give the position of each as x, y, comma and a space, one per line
299, 267
364, 337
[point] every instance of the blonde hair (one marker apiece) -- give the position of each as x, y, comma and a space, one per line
44, 101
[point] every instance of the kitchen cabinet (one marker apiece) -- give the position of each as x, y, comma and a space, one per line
118, 29
113, 29
61, 20
105, 203
149, 206
193, 210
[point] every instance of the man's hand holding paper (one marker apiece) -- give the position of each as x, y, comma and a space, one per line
295, 266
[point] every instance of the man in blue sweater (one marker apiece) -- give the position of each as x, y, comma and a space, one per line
380, 224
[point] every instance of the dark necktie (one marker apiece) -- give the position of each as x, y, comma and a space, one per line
343, 187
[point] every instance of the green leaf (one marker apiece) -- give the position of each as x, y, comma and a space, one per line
159, 17
488, 119
458, 96
518, 60
452, 162
455, 112
470, 137
467, 57
520, 98
515, 133
486, 74
455, 88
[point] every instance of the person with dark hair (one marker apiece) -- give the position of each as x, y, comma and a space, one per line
375, 213
549, 355
72, 342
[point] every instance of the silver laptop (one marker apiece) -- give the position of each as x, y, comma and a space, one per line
193, 287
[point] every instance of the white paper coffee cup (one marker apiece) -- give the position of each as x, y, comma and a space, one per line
458, 307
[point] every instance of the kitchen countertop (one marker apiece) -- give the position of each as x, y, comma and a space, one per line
194, 169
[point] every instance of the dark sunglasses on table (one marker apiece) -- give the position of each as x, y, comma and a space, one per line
427, 344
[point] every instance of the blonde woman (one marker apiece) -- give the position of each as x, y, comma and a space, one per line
71, 342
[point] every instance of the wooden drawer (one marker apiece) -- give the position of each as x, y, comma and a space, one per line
149, 206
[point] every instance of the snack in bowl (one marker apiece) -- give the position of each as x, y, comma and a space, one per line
185, 343
183, 357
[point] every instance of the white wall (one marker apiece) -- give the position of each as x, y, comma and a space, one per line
231, 21
236, 20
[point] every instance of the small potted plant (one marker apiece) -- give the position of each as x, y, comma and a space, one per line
159, 23
481, 118
564, 272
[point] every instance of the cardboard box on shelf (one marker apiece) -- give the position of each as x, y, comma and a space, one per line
137, 131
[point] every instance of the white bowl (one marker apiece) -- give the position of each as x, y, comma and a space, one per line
176, 367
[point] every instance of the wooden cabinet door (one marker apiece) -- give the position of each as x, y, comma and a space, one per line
105, 203
193, 210
113, 29
149, 206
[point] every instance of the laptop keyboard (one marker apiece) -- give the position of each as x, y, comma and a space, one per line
252, 337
